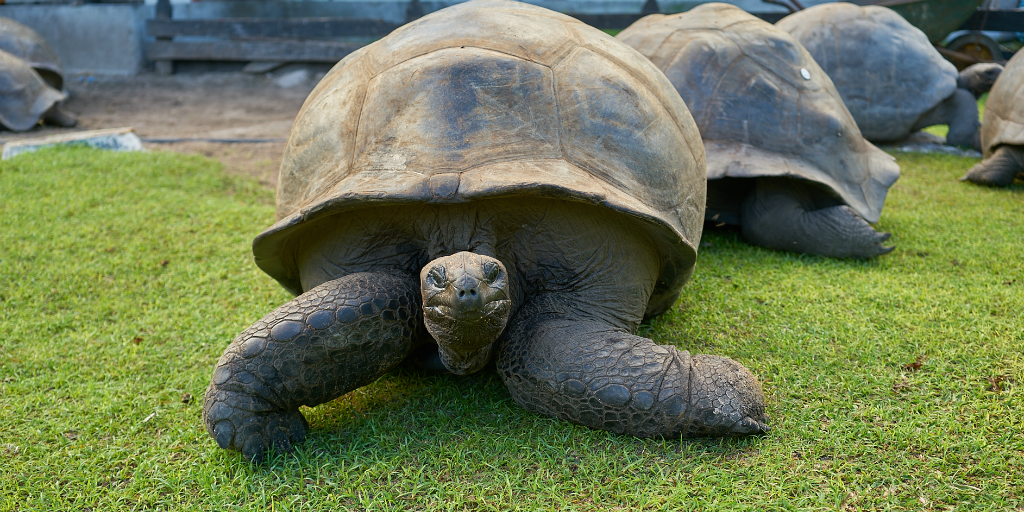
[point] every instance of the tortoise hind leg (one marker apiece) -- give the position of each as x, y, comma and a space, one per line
782, 214
1000, 169
595, 375
60, 117
960, 112
326, 342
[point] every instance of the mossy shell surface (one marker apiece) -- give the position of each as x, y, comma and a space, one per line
763, 107
1003, 121
26, 44
886, 70
24, 96
491, 99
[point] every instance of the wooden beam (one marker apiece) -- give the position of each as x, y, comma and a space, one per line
290, 51
270, 28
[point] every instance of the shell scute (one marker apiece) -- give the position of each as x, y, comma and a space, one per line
611, 116
452, 110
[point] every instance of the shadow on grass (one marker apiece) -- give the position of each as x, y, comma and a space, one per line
412, 418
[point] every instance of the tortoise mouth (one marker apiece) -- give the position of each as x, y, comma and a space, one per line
465, 306
469, 314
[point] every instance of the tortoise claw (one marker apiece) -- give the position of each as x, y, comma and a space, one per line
237, 422
749, 427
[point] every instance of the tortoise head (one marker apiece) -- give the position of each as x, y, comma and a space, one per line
465, 307
978, 78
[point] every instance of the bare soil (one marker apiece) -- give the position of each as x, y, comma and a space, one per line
220, 105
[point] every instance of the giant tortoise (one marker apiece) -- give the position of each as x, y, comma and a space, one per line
1002, 131
25, 98
785, 159
506, 183
891, 77
31, 80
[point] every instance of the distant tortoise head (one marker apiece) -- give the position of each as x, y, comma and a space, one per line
979, 78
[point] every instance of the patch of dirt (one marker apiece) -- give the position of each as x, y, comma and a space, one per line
220, 105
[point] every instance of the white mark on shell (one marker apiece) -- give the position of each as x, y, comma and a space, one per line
387, 161
804, 73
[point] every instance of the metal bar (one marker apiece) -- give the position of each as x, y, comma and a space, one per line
175, 140
996, 21
607, 21
621, 21
270, 28
290, 51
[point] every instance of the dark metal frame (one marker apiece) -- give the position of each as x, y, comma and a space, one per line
307, 39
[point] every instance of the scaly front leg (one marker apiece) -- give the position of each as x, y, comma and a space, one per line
326, 342
601, 377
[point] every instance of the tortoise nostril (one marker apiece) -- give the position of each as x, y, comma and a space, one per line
462, 293
473, 292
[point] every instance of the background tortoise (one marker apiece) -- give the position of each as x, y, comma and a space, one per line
889, 75
26, 44
511, 181
31, 80
785, 159
1002, 131
25, 98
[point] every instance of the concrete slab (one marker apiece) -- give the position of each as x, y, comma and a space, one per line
114, 139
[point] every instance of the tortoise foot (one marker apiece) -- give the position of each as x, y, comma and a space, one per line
727, 398
242, 422
336, 337
1000, 169
60, 117
785, 215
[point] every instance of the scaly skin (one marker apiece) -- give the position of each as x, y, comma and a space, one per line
566, 349
780, 214
1000, 169
598, 376
326, 342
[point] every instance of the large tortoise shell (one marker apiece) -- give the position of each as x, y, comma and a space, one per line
24, 96
24, 43
764, 108
886, 70
1004, 111
493, 98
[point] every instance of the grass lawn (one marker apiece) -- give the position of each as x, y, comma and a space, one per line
893, 384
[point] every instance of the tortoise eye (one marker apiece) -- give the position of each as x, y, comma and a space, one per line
491, 271
437, 277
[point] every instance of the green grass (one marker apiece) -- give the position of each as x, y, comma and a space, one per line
123, 277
